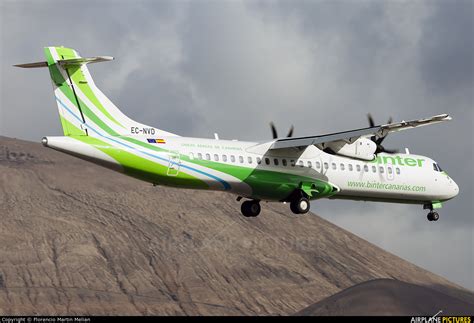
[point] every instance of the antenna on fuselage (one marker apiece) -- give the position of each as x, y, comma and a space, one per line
216, 136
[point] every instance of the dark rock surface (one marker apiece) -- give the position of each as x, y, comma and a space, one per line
389, 297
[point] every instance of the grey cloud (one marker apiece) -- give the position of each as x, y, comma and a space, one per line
447, 47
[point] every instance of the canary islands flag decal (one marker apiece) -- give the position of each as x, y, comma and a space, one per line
156, 141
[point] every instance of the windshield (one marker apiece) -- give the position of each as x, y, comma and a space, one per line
436, 167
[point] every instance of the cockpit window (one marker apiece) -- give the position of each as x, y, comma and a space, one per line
434, 167
437, 168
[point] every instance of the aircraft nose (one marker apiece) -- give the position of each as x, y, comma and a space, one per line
455, 189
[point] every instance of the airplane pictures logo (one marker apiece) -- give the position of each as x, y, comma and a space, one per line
441, 319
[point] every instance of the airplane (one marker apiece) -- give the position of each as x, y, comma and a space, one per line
343, 165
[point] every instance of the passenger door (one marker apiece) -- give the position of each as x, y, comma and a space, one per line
174, 163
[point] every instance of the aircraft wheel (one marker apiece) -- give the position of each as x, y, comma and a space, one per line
300, 205
433, 216
250, 208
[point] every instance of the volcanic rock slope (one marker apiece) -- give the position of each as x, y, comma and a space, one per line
76, 238
389, 297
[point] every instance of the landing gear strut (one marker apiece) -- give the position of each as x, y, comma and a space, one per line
251, 208
432, 215
300, 205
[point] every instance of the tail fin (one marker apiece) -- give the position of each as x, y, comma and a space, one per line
83, 109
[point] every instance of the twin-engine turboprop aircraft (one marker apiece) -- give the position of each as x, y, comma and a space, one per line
345, 165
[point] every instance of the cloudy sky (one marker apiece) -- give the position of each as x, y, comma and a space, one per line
200, 67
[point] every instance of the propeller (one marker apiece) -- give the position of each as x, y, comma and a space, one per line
275, 134
378, 141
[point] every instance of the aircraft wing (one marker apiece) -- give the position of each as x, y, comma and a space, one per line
352, 135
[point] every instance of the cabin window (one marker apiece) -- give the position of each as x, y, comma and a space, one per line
275, 161
381, 170
208, 156
241, 159
326, 165
259, 160
224, 158
342, 166
267, 161
366, 168
283, 161
216, 157
350, 167
358, 168
199, 156
318, 165
292, 163
301, 163
374, 169
389, 170
310, 164
333, 165
232, 158
398, 171
249, 159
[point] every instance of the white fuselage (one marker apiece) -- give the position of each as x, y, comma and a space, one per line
403, 178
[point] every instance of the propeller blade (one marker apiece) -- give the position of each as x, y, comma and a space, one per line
274, 131
379, 140
371, 120
290, 133
391, 151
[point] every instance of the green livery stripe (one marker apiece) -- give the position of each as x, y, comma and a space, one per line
79, 79
142, 168
265, 183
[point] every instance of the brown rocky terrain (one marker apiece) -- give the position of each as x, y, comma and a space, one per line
76, 238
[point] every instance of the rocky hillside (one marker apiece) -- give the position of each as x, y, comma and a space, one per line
79, 239
389, 297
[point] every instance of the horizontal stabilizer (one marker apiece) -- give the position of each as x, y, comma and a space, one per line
69, 62
84, 60
32, 65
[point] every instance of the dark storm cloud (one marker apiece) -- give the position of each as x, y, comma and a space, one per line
199, 67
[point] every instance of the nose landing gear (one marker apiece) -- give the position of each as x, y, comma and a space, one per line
432, 215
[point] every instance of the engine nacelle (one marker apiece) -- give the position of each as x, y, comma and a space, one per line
362, 148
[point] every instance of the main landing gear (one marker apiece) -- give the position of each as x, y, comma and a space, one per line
300, 205
432, 215
250, 208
